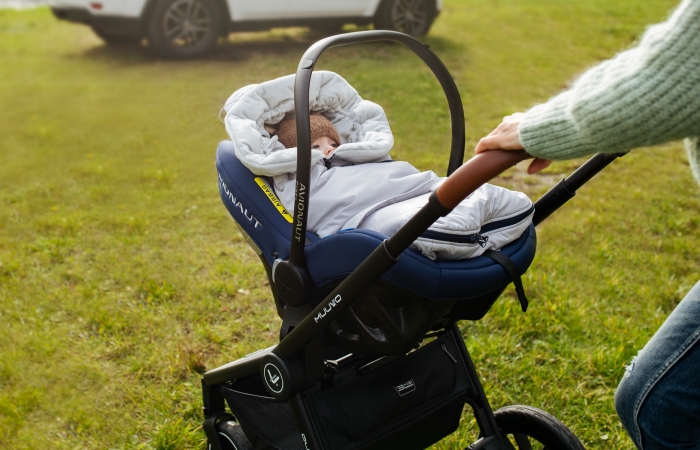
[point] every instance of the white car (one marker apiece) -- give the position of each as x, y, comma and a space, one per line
190, 28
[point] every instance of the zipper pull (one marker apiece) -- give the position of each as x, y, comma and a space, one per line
477, 238
448, 353
327, 163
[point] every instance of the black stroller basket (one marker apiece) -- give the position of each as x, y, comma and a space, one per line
408, 402
370, 356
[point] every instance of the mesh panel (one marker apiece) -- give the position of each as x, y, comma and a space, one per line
270, 419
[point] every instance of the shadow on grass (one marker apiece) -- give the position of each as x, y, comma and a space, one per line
239, 47
297, 44
243, 51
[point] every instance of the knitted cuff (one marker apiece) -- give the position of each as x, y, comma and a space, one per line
549, 131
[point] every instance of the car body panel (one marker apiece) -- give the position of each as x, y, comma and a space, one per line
258, 10
331, 8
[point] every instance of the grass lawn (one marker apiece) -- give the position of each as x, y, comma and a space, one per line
122, 277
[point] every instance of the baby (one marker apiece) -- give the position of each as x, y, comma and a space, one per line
323, 134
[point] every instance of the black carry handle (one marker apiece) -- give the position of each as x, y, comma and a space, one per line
301, 104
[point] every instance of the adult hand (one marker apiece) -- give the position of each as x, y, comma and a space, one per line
507, 137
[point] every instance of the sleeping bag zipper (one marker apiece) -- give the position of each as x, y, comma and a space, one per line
477, 238
489, 227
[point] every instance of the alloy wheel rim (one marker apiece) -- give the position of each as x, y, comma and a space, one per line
186, 23
409, 16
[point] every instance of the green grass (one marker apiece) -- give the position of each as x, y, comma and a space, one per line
122, 278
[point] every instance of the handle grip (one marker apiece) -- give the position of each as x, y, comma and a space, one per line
475, 172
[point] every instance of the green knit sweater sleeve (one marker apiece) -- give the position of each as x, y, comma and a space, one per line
643, 96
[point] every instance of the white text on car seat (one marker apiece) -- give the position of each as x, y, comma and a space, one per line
300, 192
236, 203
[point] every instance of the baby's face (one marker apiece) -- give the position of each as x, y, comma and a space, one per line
325, 144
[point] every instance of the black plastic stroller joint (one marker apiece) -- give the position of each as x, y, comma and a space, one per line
283, 379
292, 282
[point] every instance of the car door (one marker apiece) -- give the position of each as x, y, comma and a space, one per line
331, 8
258, 9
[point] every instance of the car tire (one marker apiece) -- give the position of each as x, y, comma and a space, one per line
117, 39
184, 29
413, 17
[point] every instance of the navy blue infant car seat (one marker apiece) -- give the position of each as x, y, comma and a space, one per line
370, 356
409, 298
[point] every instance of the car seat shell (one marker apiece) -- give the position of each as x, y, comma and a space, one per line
334, 257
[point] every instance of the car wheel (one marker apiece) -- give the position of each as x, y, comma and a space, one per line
117, 39
184, 28
413, 17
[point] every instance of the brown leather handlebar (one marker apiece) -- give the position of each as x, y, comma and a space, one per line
475, 172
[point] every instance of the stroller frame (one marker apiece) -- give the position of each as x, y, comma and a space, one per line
300, 361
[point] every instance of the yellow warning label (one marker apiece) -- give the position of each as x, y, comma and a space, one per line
273, 198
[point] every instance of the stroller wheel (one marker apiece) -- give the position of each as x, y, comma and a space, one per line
530, 428
231, 437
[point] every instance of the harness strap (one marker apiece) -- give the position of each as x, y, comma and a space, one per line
512, 270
